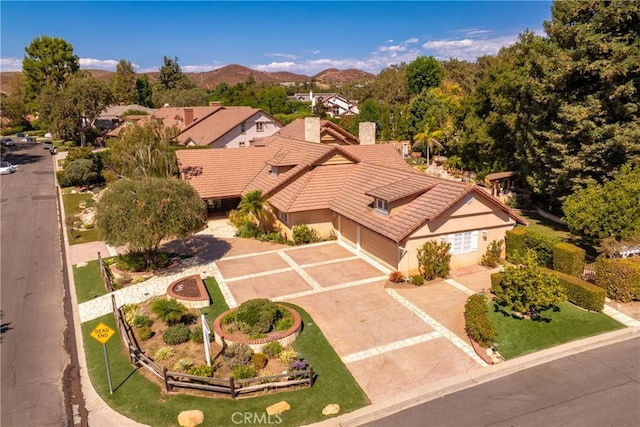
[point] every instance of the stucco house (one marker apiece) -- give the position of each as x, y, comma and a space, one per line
329, 133
365, 195
215, 126
335, 104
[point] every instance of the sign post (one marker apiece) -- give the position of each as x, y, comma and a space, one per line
102, 333
205, 336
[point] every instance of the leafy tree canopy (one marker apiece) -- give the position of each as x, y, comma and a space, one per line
47, 61
123, 83
140, 213
423, 73
172, 77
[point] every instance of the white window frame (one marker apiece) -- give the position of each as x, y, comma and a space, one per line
243, 127
381, 205
283, 217
463, 243
242, 144
259, 126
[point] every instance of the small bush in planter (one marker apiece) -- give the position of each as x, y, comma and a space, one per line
145, 333
417, 280
131, 311
141, 321
492, 257
237, 354
168, 310
273, 349
285, 319
164, 353
256, 316
286, 356
176, 334
242, 372
196, 334
183, 365
203, 370
303, 234
259, 361
299, 365
396, 276
433, 259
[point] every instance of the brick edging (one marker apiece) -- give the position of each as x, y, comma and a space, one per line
297, 325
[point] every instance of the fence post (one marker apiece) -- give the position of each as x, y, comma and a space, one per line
232, 387
310, 376
167, 386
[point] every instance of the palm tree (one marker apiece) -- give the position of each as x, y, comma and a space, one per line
253, 204
429, 137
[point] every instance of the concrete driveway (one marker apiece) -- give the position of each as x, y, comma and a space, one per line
392, 339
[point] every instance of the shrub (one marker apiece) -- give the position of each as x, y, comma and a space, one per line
299, 365
130, 311
515, 245
303, 234
164, 353
568, 259
242, 372
285, 320
274, 237
203, 370
62, 179
237, 354
273, 349
183, 364
396, 276
259, 361
496, 278
433, 259
256, 316
141, 321
579, 292
417, 280
176, 334
542, 245
145, 333
477, 322
492, 257
286, 356
132, 261
168, 310
81, 172
196, 334
620, 278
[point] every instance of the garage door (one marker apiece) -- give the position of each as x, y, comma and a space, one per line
348, 231
379, 246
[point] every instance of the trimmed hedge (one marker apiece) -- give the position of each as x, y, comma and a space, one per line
542, 245
568, 259
579, 292
620, 278
514, 240
496, 278
477, 321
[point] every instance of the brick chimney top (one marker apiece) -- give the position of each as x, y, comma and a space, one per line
187, 116
367, 133
214, 104
312, 129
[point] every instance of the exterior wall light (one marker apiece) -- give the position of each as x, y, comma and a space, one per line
485, 234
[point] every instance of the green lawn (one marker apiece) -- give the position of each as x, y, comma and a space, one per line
516, 337
144, 401
72, 203
72, 210
546, 226
88, 282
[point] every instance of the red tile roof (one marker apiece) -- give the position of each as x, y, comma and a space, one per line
312, 180
216, 125
295, 130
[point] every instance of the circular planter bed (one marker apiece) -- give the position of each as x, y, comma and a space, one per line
285, 338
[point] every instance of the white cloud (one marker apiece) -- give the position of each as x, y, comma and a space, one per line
99, 64
10, 64
278, 66
196, 68
315, 52
281, 55
469, 48
470, 32
411, 40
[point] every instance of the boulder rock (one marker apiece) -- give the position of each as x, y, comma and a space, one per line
278, 408
81, 264
191, 418
331, 409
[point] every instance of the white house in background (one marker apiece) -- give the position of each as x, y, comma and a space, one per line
335, 104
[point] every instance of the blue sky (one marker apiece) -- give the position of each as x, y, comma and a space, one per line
302, 37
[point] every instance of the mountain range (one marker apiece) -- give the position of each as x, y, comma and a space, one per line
234, 74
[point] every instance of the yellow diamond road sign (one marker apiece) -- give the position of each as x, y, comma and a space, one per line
102, 333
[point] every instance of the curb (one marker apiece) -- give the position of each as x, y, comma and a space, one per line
451, 385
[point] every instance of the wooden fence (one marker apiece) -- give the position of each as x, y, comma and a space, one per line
230, 386
107, 275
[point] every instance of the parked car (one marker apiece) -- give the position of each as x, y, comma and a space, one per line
8, 142
47, 145
6, 168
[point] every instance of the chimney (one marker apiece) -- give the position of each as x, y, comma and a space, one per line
187, 116
367, 133
214, 104
312, 129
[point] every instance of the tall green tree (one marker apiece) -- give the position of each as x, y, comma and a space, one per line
48, 61
123, 83
144, 151
172, 77
141, 213
609, 210
12, 104
144, 91
424, 73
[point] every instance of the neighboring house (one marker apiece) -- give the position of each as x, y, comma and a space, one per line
216, 126
114, 115
365, 195
335, 104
